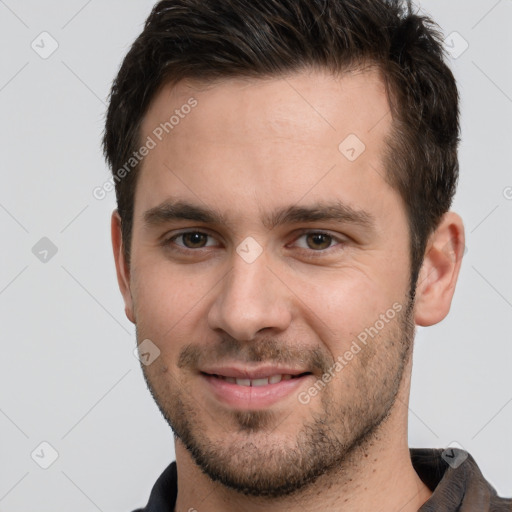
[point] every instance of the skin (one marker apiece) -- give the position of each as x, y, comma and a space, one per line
251, 147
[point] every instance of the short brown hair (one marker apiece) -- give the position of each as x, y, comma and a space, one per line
215, 39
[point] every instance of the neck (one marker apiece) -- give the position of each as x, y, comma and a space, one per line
377, 475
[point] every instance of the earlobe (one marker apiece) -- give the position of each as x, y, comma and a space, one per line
440, 270
122, 267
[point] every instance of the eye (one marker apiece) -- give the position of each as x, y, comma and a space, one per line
318, 240
310, 241
190, 240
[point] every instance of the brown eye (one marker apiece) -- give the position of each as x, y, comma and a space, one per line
194, 239
318, 241
189, 242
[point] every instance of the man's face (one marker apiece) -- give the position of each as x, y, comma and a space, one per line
277, 287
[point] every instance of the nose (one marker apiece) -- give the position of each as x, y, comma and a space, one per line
250, 299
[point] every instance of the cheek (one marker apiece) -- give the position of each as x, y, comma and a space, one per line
162, 301
340, 305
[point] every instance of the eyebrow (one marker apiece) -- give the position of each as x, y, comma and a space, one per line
172, 210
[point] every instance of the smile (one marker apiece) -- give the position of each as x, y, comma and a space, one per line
264, 381
260, 392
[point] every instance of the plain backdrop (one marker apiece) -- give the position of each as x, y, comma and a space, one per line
68, 376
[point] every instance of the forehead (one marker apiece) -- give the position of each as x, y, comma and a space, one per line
299, 104
265, 140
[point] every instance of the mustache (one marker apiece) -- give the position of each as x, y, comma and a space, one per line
268, 350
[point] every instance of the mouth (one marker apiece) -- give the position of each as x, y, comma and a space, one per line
258, 382
245, 390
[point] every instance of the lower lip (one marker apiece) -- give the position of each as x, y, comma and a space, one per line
252, 397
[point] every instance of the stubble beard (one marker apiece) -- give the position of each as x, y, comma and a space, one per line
251, 457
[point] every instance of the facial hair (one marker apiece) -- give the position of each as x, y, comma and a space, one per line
250, 456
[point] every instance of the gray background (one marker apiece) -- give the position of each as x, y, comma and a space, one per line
68, 376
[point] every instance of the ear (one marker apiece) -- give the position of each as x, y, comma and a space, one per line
440, 270
122, 267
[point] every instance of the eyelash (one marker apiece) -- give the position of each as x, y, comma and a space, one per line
312, 253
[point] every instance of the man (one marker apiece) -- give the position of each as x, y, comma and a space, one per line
284, 171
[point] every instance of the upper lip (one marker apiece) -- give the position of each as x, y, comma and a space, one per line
252, 373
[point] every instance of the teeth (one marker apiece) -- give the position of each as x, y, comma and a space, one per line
259, 382
274, 379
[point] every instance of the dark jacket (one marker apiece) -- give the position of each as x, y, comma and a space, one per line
457, 486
